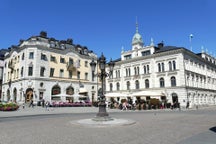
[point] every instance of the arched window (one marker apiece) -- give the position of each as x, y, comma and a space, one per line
173, 81
174, 65
137, 84
145, 71
117, 86
170, 66
146, 83
159, 67
129, 72
162, 65
111, 87
56, 90
116, 74
137, 70
148, 69
126, 72
162, 84
23, 56
70, 90
128, 85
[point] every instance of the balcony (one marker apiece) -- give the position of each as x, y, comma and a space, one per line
71, 67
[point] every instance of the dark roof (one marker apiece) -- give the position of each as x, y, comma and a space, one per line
167, 48
2, 53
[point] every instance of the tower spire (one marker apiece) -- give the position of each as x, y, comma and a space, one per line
137, 31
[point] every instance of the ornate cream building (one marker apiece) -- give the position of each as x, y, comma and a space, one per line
169, 73
46, 68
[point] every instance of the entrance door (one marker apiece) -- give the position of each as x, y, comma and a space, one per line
175, 100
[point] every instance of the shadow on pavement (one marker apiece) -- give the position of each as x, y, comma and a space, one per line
213, 129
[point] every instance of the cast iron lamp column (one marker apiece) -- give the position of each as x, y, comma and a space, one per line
102, 115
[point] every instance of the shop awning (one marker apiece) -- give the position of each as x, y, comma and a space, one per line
83, 90
116, 95
148, 93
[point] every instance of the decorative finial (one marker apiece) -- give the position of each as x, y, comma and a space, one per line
202, 49
152, 42
122, 49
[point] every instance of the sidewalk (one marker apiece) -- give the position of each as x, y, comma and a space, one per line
38, 110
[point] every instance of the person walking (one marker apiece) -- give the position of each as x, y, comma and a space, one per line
31, 103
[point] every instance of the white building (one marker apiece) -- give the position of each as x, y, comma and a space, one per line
45, 68
169, 73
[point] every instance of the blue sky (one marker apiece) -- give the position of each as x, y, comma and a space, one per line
108, 25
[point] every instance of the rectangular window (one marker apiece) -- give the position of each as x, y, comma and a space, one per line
61, 74
86, 63
78, 75
42, 70
86, 76
127, 57
30, 71
21, 73
43, 57
53, 59
52, 72
145, 53
70, 61
62, 60
31, 55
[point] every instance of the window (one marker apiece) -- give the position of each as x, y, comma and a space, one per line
52, 72
162, 82
174, 65
159, 67
148, 69
30, 71
111, 87
173, 81
170, 66
128, 85
86, 76
162, 65
21, 73
78, 75
145, 53
61, 74
126, 72
117, 86
43, 57
42, 70
70, 74
86, 63
53, 59
17, 73
62, 60
70, 61
127, 57
23, 56
135, 72
31, 55
137, 84
146, 83
145, 71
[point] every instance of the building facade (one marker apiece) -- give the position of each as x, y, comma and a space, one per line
45, 68
169, 73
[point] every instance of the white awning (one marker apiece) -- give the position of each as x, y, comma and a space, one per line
83, 90
116, 95
62, 95
148, 93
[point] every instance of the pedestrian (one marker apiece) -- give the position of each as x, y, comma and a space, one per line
47, 105
31, 104
23, 105
124, 106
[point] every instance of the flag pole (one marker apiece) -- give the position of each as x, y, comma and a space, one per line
190, 39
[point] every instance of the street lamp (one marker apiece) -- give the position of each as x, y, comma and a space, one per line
102, 115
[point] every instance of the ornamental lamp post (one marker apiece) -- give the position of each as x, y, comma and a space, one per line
102, 115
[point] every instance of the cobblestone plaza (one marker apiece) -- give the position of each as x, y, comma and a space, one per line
38, 126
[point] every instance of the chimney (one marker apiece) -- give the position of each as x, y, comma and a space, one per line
161, 44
